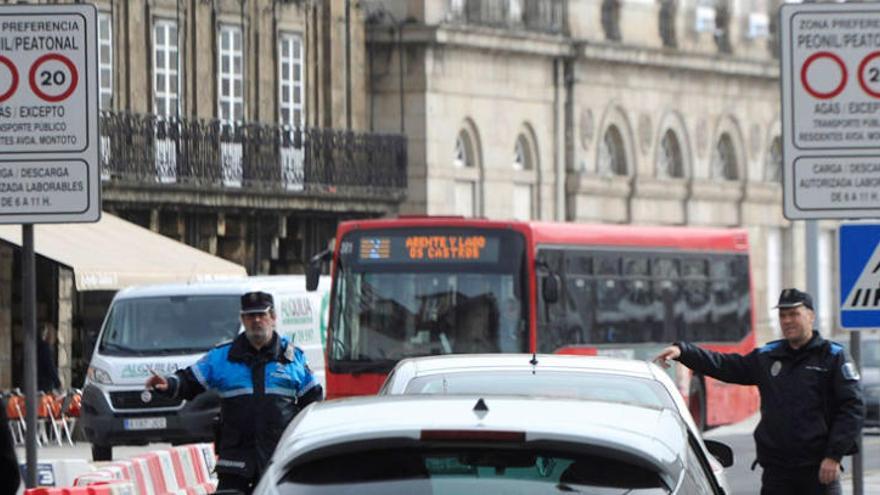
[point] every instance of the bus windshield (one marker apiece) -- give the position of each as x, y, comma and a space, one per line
416, 292
170, 325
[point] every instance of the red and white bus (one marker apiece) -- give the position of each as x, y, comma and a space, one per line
435, 285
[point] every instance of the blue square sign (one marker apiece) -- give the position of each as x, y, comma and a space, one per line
859, 262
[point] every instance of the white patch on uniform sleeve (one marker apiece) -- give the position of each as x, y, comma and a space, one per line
850, 372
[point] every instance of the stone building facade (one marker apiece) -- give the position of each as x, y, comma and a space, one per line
239, 127
611, 111
248, 121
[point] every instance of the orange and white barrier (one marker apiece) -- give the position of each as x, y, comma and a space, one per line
184, 470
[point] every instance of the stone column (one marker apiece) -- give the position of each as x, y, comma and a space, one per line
65, 324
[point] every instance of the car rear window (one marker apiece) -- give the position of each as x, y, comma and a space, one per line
465, 469
562, 384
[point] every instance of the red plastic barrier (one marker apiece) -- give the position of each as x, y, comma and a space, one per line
98, 488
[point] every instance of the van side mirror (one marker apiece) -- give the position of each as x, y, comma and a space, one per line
720, 451
313, 270
550, 288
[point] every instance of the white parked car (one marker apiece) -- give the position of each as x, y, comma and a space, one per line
552, 375
440, 444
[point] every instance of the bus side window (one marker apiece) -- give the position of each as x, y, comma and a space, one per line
665, 275
644, 314
579, 306
611, 319
550, 314
696, 304
742, 286
730, 291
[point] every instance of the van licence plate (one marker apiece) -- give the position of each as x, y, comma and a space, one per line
144, 423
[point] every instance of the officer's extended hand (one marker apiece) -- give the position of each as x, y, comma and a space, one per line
156, 382
829, 470
671, 352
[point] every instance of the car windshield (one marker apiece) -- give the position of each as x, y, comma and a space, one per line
464, 469
416, 293
170, 325
563, 384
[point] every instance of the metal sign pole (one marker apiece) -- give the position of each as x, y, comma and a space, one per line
812, 241
858, 472
29, 325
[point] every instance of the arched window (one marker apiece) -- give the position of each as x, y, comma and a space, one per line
724, 159
669, 161
522, 154
466, 192
464, 150
524, 176
773, 168
612, 158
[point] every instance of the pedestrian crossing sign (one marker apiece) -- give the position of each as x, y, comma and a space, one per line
859, 270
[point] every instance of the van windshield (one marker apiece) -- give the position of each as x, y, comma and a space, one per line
170, 325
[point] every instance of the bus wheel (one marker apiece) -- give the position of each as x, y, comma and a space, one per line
102, 452
697, 402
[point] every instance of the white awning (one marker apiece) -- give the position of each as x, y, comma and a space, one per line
112, 254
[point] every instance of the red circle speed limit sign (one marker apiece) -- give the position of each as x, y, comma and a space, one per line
834, 72
53, 77
8, 90
869, 74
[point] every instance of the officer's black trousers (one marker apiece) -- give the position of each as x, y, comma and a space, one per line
796, 481
234, 482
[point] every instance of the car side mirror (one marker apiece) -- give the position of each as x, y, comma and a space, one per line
313, 270
720, 451
550, 288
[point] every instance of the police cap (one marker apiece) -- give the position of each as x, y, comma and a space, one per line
792, 298
256, 302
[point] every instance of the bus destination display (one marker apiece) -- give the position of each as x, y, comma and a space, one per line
429, 248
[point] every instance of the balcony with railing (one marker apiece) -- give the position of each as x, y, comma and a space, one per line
212, 155
545, 16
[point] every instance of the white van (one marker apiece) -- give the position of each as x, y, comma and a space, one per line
168, 327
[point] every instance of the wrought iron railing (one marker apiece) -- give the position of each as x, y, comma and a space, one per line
546, 16
140, 149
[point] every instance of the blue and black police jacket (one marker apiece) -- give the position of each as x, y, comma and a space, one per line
811, 399
260, 392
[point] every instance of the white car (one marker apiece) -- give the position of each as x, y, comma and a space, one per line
552, 375
439, 444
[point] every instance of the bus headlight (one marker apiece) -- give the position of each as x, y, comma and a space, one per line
98, 375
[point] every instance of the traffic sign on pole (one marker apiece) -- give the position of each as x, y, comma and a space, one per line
859, 268
830, 85
49, 142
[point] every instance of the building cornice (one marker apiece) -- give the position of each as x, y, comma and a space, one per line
476, 37
676, 59
542, 44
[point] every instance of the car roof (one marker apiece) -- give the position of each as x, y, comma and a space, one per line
449, 363
273, 283
655, 436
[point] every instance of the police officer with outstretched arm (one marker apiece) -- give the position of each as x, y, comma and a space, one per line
263, 382
811, 400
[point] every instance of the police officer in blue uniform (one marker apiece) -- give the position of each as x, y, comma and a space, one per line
263, 382
811, 400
